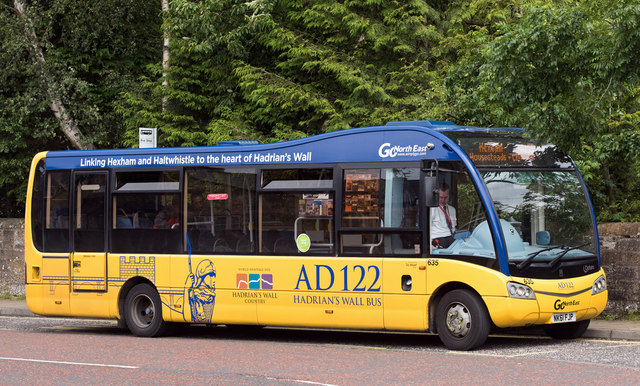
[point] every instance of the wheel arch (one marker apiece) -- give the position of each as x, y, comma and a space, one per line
124, 290
437, 295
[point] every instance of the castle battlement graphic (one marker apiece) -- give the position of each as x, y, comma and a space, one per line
131, 266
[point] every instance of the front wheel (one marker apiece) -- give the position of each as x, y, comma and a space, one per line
462, 320
143, 311
573, 330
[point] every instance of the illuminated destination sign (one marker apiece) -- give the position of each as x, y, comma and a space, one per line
496, 152
510, 151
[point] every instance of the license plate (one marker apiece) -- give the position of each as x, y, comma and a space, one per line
564, 317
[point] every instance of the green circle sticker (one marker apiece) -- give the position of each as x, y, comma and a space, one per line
303, 242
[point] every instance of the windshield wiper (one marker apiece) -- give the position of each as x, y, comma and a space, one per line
553, 262
526, 263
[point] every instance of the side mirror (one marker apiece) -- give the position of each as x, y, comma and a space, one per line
431, 192
430, 170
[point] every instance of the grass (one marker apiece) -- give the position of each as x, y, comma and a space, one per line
631, 316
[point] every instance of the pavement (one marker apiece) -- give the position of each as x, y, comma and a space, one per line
598, 328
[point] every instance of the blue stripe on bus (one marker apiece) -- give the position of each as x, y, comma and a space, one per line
368, 146
87, 278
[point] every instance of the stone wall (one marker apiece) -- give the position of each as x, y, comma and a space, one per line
11, 257
619, 247
620, 254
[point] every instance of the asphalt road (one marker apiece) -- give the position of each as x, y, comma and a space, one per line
56, 351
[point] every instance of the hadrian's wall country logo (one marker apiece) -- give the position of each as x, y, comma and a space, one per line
254, 281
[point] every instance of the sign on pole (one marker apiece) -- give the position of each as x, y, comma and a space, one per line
148, 137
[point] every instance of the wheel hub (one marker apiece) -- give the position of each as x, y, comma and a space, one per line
143, 308
458, 320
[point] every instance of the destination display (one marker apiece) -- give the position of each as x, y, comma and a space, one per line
499, 151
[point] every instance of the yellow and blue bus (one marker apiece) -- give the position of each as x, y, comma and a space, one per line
337, 230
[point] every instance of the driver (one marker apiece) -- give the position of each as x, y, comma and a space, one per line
443, 219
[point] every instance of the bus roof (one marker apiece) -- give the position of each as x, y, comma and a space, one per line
395, 141
410, 142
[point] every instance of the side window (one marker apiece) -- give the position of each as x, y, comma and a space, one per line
56, 221
380, 212
220, 210
37, 206
147, 212
296, 212
458, 226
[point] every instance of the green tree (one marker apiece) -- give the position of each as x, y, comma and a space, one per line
272, 70
85, 54
567, 72
276, 70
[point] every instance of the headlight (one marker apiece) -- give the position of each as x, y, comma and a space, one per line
599, 285
520, 291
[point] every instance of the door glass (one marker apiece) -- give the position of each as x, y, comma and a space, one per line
56, 230
89, 217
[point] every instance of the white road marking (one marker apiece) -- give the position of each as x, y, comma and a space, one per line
68, 363
299, 381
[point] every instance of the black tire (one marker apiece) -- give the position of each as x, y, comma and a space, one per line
143, 311
573, 330
462, 320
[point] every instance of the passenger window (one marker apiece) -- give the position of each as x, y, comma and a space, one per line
296, 222
296, 213
220, 210
147, 212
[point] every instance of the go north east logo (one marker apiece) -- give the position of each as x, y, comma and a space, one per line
254, 281
387, 150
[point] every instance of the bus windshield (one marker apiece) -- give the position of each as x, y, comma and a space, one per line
546, 219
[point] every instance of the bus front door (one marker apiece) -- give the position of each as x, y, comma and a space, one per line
89, 259
404, 285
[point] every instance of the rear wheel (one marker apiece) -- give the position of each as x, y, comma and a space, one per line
573, 330
143, 311
462, 320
